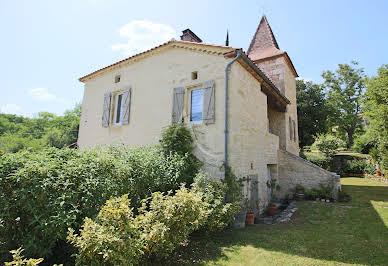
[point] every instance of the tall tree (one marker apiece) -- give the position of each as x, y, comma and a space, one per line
344, 91
376, 110
312, 113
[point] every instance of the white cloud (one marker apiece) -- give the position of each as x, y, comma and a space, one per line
305, 79
142, 35
43, 94
10, 108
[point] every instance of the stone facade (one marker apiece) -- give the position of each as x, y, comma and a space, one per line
294, 170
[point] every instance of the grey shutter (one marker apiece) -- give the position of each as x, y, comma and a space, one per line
290, 122
208, 102
177, 107
126, 106
106, 110
294, 131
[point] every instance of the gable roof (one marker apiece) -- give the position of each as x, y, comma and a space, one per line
172, 42
264, 45
225, 51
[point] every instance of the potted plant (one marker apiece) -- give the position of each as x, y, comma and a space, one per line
299, 192
250, 215
271, 207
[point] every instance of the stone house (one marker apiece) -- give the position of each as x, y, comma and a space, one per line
240, 107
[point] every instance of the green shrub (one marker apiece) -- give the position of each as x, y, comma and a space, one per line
299, 187
221, 213
358, 167
44, 193
322, 161
113, 239
177, 138
363, 144
19, 260
118, 238
328, 144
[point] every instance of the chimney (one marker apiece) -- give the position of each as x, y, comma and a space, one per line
189, 36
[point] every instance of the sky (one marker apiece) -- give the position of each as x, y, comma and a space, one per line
47, 45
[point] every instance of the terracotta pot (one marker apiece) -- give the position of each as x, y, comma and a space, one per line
378, 173
271, 209
250, 218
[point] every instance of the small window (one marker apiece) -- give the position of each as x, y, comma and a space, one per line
118, 103
194, 75
290, 124
196, 105
294, 129
117, 78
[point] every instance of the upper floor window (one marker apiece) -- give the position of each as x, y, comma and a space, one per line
196, 105
117, 111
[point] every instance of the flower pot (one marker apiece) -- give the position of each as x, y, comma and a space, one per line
250, 218
271, 209
378, 173
327, 200
323, 200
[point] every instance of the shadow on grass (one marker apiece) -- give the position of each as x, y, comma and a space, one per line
350, 232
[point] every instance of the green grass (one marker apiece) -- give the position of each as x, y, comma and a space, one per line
318, 234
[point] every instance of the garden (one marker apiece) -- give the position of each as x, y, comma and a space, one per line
110, 205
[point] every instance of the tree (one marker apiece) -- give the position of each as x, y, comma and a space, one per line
312, 112
345, 88
376, 110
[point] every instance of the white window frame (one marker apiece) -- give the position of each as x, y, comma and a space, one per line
115, 110
190, 106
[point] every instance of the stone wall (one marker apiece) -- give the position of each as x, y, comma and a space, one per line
293, 170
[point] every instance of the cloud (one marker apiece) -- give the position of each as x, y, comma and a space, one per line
10, 108
43, 94
305, 79
142, 35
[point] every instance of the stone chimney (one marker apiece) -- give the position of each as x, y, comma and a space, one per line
189, 36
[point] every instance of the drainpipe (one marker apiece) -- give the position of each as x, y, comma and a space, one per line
226, 131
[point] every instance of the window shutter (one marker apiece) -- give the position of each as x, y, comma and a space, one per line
126, 106
177, 107
294, 131
106, 110
208, 102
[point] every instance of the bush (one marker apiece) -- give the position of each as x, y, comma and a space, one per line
19, 260
178, 139
328, 144
322, 161
363, 144
213, 192
119, 238
358, 167
44, 193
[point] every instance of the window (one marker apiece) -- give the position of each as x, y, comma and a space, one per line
290, 124
117, 79
117, 111
196, 105
294, 127
194, 75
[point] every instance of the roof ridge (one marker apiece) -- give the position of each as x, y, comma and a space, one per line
152, 49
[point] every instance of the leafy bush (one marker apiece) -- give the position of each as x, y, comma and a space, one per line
44, 193
112, 239
221, 213
19, 260
322, 161
358, 167
328, 144
364, 143
178, 139
299, 187
119, 238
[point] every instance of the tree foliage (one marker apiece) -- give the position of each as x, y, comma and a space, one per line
46, 130
376, 111
344, 90
312, 112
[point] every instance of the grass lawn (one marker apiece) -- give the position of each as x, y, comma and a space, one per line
318, 234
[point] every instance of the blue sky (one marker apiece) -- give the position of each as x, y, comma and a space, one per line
47, 45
